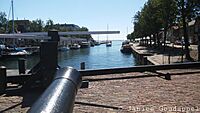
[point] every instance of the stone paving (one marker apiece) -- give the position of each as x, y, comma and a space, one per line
126, 93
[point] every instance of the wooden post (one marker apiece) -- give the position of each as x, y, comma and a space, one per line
85, 84
145, 61
169, 58
167, 76
49, 57
163, 59
82, 65
182, 53
199, 47
3, 81
22, 66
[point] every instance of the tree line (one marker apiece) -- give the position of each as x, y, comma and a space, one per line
163, 14
39, 25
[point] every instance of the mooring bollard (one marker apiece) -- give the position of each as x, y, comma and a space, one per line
82, 65
167, 76
85, 84
22, 66
3, 81
169, 58
145, 61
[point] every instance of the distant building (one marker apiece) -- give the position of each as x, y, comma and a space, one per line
191, 32
175, 33
23, 25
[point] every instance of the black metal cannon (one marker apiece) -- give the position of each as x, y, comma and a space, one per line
60, 95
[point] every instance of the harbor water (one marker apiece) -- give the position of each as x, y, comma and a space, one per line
97, 57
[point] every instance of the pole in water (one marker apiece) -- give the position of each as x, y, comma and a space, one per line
82, 65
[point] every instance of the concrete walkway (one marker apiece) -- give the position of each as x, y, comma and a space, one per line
173, 55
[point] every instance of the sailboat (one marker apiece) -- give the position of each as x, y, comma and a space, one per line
108, 43
97, 42
126, 46
13, 51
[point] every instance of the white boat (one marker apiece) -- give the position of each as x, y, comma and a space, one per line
108, 44
63, 48
126, 47
23, 52
97, 43
14, 54
75, 46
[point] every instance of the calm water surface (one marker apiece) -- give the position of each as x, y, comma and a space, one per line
94, 57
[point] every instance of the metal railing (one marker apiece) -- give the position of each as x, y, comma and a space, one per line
141, 68
60, 95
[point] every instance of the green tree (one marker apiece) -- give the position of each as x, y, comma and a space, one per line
3, 22
49, 25
188, 10
84, 36
168, 12
37, 25
129, 37
153, 19
9, 27
148, 21
83, 29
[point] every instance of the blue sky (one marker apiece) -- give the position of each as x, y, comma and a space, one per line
93, 14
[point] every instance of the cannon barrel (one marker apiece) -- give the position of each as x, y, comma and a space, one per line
59, 97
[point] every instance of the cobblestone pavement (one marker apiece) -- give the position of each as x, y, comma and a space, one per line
131, 92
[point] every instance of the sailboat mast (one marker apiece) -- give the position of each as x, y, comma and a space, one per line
13, 30
107, 34
127, 33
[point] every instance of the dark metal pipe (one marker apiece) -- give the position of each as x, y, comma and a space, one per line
60, 95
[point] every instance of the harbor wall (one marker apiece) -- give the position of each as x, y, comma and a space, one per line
141, 58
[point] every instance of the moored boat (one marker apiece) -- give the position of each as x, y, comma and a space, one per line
14, 54
75, 46
85, 44
63, 48
97, 43
108, 44
126, 47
